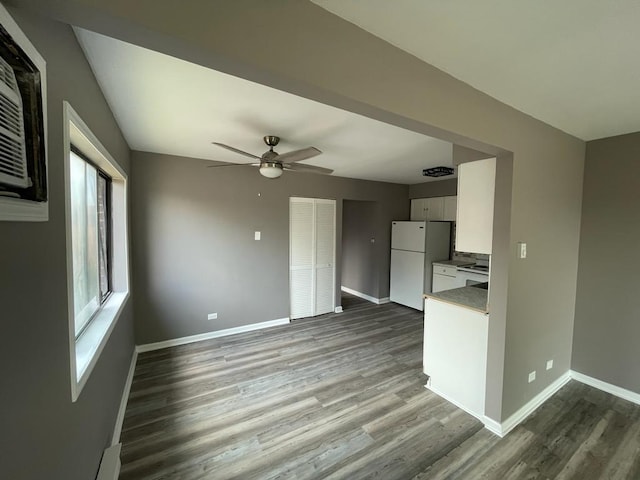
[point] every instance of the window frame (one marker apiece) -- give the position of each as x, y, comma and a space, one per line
85, 349
109, 229
100, 173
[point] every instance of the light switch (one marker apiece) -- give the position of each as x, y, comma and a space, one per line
522, 250
256, 236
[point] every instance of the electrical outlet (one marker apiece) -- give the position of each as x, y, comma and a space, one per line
532, 376
549, 364
256, 236
212, 316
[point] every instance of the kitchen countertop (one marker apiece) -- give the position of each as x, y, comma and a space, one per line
455, 263
470, 297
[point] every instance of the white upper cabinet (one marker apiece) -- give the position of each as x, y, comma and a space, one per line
435, 208
450, 208
418, 209
476, 190
423, 209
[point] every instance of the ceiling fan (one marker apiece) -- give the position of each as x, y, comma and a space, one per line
272, 163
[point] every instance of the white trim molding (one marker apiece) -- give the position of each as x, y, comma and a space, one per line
607, 387
117, 429
110, 463
364, 296
174, 342
501, 429
85, 350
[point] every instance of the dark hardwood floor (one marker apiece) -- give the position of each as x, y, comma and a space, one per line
341, 397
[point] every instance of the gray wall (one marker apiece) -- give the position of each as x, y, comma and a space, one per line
439, 188
193, 246
335, 62
44, 434
360, 259
606, 337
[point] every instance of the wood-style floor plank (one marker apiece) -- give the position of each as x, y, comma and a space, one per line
342, 397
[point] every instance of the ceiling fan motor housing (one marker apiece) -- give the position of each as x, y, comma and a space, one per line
269, 156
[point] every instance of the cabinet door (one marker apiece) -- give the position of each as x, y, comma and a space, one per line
476, 189
435, 208
450, 208
418, 209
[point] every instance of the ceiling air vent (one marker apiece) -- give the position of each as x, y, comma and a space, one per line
13, 161
437, 172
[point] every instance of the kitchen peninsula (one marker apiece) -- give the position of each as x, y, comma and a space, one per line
455, 345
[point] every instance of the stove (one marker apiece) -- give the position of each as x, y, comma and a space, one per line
475, 268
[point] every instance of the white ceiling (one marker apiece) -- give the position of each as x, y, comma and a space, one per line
574, 64
167, 105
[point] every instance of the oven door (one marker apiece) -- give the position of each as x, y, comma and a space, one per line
472, 278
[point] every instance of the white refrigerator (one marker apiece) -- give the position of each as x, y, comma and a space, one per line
414, 247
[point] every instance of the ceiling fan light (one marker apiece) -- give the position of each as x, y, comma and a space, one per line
271, 170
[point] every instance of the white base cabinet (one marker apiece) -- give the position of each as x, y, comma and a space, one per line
455, 354
445, 277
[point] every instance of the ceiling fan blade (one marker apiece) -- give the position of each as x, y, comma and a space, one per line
233, 165
241, 152
301, 167
297, 155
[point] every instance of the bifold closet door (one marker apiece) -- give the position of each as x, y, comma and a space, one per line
311, 256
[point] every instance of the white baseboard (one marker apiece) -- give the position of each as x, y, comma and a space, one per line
364, 296
450, 400
606, 387
147, 347
110, 463
501, 429
493, 426
115, 439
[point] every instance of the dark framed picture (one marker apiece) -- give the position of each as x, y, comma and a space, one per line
23, 127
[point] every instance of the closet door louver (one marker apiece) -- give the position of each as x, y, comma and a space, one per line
13, 162
301, 239
325, 254
312, 256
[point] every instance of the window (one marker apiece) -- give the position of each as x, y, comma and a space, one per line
90, 238
97, 259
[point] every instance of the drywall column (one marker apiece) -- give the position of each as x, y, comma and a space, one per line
607, 330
